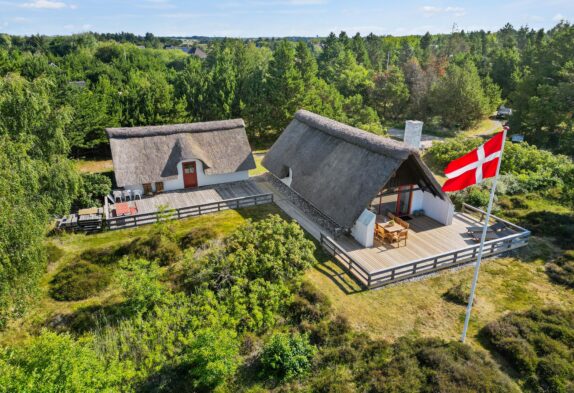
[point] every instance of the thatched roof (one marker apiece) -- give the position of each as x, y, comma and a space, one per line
340, 169
150, 154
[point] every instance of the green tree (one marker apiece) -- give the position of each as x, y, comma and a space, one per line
287, 355
390, 94
221, 87
459, 98
285, 86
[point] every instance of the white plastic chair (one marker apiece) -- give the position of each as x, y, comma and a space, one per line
127, 194
117, 195
137, 194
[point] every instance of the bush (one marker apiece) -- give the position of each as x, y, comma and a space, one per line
561, 270
459, 293
197, 237
286, 356
79, 281
57, 363
213, 357
53, 253
93, 188
139, 280
157, 247
309, 304
539, 344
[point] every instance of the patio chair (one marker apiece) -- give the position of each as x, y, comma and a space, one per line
127, 194
117, 195
137, 194
379, 232
499, 226
403, 235
489, 236
391, 237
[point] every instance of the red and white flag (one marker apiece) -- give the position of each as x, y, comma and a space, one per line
472, 168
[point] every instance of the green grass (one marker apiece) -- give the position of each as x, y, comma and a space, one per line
419, 308
66, 249
258, 155
94, 166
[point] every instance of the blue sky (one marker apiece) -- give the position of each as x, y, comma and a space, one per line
254, 18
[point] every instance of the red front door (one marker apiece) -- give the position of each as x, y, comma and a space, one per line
189, 174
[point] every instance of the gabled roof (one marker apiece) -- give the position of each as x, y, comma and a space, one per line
151, 154
339, 169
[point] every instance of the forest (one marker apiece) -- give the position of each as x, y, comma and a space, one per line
221, 304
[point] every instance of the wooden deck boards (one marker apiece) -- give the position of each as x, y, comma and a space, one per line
200, 196
427, 237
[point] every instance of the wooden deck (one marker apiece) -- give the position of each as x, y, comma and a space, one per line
188, 203
427, 237
431, 247
201, 196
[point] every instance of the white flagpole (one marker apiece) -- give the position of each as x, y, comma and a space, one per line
482, 239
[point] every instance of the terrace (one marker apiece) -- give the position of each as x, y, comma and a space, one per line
431, 247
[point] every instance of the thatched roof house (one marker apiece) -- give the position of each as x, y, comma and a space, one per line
339, 169
152, 154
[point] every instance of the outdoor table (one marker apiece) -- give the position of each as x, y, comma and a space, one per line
394, 228
122, 209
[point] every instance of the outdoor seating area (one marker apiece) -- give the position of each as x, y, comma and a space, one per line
392, 230
431, 246
126, 195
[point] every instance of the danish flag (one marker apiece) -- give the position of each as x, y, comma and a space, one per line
473, 167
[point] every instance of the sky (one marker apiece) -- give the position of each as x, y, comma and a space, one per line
277, 18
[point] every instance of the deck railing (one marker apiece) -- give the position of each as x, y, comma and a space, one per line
187, 211
427, 265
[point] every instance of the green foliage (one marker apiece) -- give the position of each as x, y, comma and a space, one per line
459, 97
94, 187
286, 356
139, 280
79, 281
561, 270
539, 344
213, 357
56, 363
272, 249
23, 219
197, 237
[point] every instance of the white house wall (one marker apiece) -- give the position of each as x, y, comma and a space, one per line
438, 209
202, 178
364, 229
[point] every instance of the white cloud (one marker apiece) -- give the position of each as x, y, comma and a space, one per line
558, 17
430, 10
48, 4
78, 28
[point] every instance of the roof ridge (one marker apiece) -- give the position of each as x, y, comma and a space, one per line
355, 136
170, 129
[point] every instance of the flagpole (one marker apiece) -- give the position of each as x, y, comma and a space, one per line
482, 239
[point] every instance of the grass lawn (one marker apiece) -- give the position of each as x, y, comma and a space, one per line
258, 156
94, 166
418, 308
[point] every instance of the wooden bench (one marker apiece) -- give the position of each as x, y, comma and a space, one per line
398, 220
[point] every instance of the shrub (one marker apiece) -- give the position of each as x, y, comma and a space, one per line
539, 344
213, 356
286, 356
139, 280
561, 270
79, 281
197, 237
272, 249
57, 363
157, 248
459, 293
309, 304
93, 188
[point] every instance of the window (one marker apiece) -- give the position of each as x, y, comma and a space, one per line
159, 186
147, 188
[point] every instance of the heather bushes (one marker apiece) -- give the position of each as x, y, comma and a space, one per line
561, 270
79, 281
539, 344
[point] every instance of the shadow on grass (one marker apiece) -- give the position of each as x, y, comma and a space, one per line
88, 318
